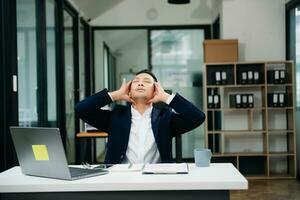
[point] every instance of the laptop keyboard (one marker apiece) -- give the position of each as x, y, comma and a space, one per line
78, 172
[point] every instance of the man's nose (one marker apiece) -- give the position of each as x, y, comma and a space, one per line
140, 84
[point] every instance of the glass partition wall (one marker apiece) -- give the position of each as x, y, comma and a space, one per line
51, 63
38, 26
69, 85
31, 68
177, 60
27, 62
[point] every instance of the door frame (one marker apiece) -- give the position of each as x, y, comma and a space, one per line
9, 97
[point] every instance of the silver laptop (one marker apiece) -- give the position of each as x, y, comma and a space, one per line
40, 153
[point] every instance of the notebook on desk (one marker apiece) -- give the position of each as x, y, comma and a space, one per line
40, 153
166, 168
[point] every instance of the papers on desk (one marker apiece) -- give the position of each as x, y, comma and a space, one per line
160, 168
166, 168
126, 167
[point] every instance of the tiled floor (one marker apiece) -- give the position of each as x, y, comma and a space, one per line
269, 190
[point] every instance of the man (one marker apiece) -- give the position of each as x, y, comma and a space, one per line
140, 133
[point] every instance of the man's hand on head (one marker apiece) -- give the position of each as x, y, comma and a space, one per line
159, 94
122, 93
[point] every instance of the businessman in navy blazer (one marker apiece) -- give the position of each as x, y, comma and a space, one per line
140, 132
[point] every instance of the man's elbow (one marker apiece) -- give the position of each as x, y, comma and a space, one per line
79, 109
201, 118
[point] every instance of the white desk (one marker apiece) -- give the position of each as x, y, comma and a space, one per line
215, 181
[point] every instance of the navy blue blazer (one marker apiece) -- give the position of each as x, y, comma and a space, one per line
117, 122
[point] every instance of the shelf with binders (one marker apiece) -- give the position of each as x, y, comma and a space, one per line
279, 73
241, 98
281, 120
213, 99
230, 99
280, 96
247, 125
217, 75
280, 109
250, 74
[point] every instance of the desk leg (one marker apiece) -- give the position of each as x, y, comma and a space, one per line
117, 195
93, 151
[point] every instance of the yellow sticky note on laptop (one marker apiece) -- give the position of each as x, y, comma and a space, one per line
40, 152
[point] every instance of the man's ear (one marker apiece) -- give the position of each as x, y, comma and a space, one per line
129, 87
154, 85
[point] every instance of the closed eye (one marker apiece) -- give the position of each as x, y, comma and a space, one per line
147, 81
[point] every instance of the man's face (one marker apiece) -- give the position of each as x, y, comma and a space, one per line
142, 87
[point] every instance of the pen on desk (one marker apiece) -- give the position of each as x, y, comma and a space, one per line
103, 166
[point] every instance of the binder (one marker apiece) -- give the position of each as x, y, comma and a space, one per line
282, 76
270, 76
217, 101
218, 78
275, 100
276, 77
238, 101
250, 101
250, 77
210, 101
244, 77
282, 100
256, 77
232, 101
224, 78
244, 100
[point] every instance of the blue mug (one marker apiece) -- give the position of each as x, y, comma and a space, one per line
202, 157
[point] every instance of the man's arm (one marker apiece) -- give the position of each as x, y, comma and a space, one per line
186, 116
89, 110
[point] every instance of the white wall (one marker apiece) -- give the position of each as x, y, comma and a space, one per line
259, 25
157, 12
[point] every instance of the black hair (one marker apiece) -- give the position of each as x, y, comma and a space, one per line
146, 71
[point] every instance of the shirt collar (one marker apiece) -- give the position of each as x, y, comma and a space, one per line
136, 113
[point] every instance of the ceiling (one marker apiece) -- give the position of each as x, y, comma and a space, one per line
117, 39
92, 9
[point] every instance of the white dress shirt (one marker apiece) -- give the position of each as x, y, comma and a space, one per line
142, 147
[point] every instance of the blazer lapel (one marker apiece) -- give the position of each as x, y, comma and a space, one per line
155, 123
126, 126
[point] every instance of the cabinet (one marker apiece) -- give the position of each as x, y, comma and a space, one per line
250, 109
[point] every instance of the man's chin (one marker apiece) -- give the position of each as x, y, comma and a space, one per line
141, 98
